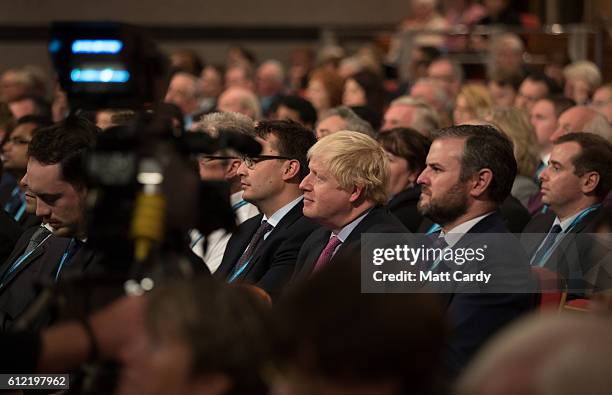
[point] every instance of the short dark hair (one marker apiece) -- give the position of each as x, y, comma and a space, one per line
327, 328
552, 86
485, 147
68, 143
294, 140
409, 144
595, 155
561, 103
305, 109
38, 120
508, 79
224, 327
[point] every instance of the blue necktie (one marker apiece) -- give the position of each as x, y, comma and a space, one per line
548, 243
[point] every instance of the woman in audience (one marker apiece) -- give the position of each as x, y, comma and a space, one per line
582, 79
406, 150
473, 102
364, 88
324, 90
515, 123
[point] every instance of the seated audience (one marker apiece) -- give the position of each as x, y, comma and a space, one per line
406, 151
198, 337
364, 88
222, 166
515, 123
344, 193
577, 179
294, 108
407, 112
582, 78
324, 90
473, 103
341, 118
264, 249
469, 173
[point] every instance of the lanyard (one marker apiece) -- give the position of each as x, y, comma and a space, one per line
20, 260
66, 257
238, 272
8, 206
239, 204
433, 229
572, 225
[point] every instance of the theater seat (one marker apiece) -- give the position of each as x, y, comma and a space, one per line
552, 294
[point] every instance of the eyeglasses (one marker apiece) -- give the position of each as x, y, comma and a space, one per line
17, 141
250, 162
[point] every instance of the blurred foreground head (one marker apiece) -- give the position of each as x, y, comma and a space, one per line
332, 339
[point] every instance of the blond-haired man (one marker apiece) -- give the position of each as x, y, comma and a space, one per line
344, 192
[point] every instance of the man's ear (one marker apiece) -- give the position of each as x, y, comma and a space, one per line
356, 194
212, 384
231, 170
480, 182
589, 181
291, 169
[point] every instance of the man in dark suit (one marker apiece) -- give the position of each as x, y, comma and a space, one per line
469, 173
577, 179
263, 250
344, 192
15, 160
46, 254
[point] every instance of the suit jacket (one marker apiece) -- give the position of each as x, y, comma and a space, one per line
274, 260
378, 220
574, 257
40, 268
9, 234
404, 207
474, 317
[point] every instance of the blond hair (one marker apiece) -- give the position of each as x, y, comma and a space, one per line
477, 99
515, 123
355, 159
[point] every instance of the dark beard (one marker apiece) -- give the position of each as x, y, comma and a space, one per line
453, 206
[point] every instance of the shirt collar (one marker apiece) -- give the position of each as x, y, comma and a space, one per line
347, 229
281, 212
565, 224
455, 234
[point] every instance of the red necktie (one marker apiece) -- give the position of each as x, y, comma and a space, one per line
327, 253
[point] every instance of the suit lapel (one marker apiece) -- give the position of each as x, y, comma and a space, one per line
31, 258
278, 232
237, 245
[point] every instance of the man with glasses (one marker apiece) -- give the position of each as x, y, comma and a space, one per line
15, 160
222, 166
263, 250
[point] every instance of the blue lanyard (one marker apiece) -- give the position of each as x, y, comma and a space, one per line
237, 273
8, 206
197, 240
572, 225
19, 261
433, 229
239, 204
65, 257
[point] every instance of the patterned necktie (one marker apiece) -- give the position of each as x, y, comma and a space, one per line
327, 253
247, 255
439, 243
548, 243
